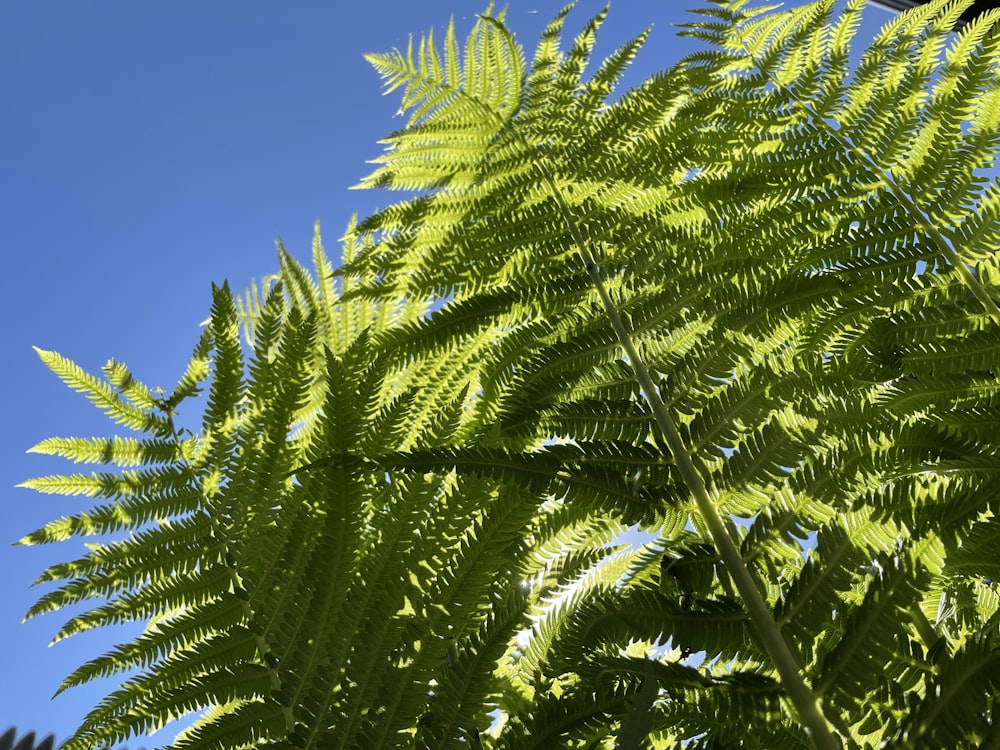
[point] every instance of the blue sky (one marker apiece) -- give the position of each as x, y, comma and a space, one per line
147, 150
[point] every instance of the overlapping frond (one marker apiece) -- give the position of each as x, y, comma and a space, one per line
327, 453
402, 528
804, 254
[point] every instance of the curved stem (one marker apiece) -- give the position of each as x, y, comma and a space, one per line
805, 702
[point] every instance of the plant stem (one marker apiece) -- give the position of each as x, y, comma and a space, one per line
804, 701
784, 660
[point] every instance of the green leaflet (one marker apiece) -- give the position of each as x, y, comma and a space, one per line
402, 528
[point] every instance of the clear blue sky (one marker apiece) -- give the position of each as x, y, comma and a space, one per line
148, 149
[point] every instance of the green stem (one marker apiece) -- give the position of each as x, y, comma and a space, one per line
802, 698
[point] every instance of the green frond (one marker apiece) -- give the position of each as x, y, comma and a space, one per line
146, 602
581, 719
250, 306
162, 638
867, 635
400, 522
143, 496
450, 100
120, 451
589, 475
242, 724
949, 713
226, 389
467, 688
196, 372
119, 396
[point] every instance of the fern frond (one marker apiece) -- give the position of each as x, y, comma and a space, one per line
747, 302
120, 397
143, 495
448, 99
119, 451
948, 712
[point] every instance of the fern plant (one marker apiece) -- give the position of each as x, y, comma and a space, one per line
27, 742
747, 307
303, 584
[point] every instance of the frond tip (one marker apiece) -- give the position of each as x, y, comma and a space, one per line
450, 96
118, 395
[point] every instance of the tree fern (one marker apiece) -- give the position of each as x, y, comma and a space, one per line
745, 304
814, 245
